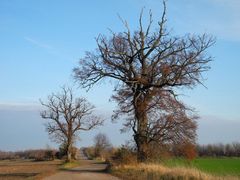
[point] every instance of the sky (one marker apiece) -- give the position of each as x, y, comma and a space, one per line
42, 41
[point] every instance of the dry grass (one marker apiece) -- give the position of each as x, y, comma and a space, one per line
26, 169
156, 171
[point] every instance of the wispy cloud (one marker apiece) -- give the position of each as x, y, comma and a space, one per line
38, 43
50, 49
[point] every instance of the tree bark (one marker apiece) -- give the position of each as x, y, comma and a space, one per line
69, 156
142, 154
140, 137
69, 151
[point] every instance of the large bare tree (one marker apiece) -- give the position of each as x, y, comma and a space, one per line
68, 116
147, 66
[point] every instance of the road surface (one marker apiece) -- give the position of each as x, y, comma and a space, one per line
89, 170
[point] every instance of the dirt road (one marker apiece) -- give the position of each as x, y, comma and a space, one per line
89, 170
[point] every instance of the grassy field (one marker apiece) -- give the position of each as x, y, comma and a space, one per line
200, 168
215, 166
26, 169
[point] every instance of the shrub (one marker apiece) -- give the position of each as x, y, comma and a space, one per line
157, 152
124, 156
186, 150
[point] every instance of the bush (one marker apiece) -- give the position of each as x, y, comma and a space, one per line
62, 153
186, 150
157, 152
189, 151
124, 156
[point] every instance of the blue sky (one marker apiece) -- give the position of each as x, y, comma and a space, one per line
42, 41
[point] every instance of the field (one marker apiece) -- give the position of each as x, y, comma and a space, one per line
200, 168
216, 166
26, 169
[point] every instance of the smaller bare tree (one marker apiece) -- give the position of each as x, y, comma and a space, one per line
68, 116
101, 143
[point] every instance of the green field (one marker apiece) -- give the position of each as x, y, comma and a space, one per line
217, 166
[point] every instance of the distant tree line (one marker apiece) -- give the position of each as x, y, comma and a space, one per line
104, 150
229, 150
37, 154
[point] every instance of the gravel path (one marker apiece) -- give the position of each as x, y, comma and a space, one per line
89, 170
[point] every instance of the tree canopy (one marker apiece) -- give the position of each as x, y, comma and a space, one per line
148, 65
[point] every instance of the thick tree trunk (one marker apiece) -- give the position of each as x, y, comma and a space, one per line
142, 148
140, 137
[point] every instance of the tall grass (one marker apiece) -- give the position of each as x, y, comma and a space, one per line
158, 171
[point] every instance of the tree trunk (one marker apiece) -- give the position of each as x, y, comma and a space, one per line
69, 151
140, 137
142, 148
69, 156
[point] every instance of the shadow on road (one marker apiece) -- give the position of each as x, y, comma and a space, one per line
87, 170
18, 175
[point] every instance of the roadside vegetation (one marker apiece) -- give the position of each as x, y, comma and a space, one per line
159, 171
124, 165
172, 162
156, 171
